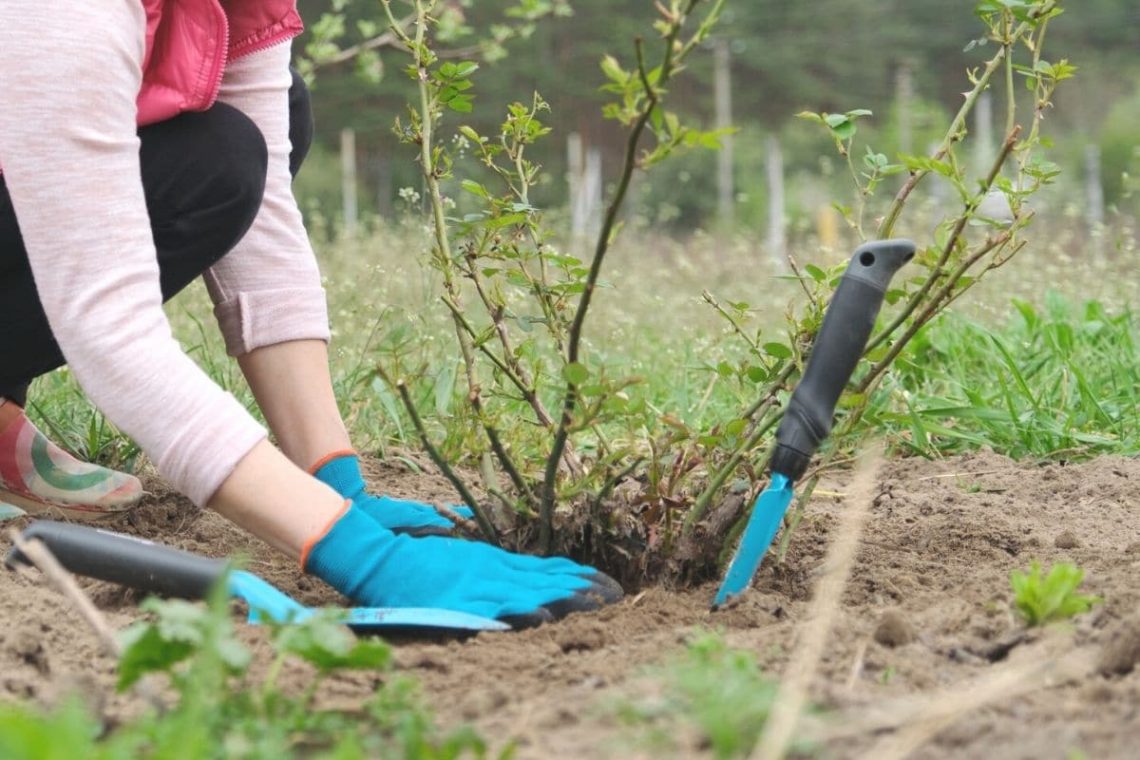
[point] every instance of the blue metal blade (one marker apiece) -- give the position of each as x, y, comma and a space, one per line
267, 602
767, 514
361, 618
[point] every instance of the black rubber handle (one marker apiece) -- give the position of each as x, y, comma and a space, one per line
126, 560
846, 327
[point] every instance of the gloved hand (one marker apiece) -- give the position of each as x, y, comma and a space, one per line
377, 568
342, 473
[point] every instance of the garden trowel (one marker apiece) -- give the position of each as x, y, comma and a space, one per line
164, 570
807, 420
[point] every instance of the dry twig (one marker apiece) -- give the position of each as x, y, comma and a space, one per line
793, 692
916, 720
39, 555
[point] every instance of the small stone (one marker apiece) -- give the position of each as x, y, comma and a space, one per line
1066, 540
28, 647
963, 655
1133, 548
1122, 651
481, 703
428, 661
1098, 692
893, 629
582, 638
25, 644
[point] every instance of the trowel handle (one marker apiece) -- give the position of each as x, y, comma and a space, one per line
841, 340
126, 560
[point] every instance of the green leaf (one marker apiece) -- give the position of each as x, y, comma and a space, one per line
145, 650
815, 272
445, 389
474, 188
575, 373
328, 645
388, 402
845, 131
68, 731
757, 374
924, 163
515, 277
893, 296
1053, 597
613, 70
778, 350
471, 134
466, 68
461, 104
735, 427
506, 220
181, 630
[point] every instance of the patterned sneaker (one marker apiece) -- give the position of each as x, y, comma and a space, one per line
42, 479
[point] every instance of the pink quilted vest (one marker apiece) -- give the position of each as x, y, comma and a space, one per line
188, 43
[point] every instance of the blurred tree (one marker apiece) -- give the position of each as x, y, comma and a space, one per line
787, 56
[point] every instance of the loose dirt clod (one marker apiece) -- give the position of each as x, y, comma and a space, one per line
28, 648
581, 637
893, 629
1122, 651
1066, 540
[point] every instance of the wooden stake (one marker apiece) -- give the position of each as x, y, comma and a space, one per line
348, 179
725, 191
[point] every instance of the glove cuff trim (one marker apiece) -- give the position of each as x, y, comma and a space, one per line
307, 547
330, 457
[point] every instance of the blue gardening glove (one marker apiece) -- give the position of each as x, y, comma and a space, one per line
377, 568
398, 515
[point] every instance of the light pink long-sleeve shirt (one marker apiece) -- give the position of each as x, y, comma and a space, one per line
69, 77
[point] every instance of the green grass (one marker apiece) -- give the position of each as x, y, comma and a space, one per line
1061, 381
1039, 377
650, 322
709, 693
64, 413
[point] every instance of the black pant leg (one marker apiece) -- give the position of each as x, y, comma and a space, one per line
300, 122
26, 345
203, 175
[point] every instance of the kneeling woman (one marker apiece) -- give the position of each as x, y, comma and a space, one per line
144, 143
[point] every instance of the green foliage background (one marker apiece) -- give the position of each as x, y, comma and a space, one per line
787, 56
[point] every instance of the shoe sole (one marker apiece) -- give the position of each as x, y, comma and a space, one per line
76, 512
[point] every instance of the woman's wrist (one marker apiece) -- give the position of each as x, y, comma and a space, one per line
275, 500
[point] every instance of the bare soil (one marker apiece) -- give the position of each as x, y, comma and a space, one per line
927, 612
